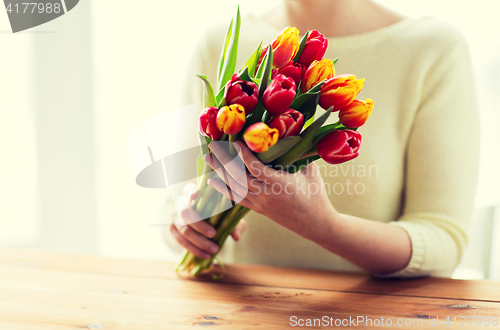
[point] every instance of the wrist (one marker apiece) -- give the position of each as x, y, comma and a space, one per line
326, 227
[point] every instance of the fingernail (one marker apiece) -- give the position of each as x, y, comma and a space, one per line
206, 256
214, 248
211, 233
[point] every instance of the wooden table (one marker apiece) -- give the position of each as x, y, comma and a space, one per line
46, 290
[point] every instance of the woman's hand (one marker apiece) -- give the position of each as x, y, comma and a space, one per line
296, 201
195, 236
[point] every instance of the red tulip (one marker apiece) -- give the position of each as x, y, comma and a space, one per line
207, 123
279, 95
288, 123
241, 92
292, 70
315, 48
339, 146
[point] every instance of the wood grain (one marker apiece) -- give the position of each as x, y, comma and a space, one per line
44, 290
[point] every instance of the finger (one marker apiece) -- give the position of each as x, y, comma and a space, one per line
189, 215
187, 245
198, 240
240, 228
235, 168
203, 228
256, 167
193, 196
227, 192
226, 177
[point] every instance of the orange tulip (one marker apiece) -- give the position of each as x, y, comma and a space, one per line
340, 91
356, 113
317, 72
230, 119
259, 137
285, 47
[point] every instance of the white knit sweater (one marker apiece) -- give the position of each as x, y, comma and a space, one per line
418, 160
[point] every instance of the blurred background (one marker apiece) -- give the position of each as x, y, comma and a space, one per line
73, 89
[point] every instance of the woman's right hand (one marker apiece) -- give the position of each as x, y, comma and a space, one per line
195, 236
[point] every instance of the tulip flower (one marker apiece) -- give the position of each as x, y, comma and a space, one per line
244, 93
285, 47
207, 125
338, 92
317, 72
230, 119
339, 146
356, 113
279, 95
259, 137
292, 70
288, 123
315, 49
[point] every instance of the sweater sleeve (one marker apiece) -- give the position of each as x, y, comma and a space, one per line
441, 167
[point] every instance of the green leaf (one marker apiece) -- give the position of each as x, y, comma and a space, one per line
267, 63
204, 141
300, 164
335, 61
324, 131
279, 149
253, 60
231, 52
208, 92
220, 97
245, 75
259, 110
262, 66
299, 101
304, 145
302, 45
309, 121
224, 51
308, 102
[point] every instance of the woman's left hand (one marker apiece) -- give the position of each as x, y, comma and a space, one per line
296, 201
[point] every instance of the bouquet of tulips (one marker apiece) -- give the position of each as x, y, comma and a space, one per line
270, 104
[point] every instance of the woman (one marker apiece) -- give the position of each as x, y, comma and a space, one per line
402, 208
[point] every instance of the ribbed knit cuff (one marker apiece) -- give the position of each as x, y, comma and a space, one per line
414, 267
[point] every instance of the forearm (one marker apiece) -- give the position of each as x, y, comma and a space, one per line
378, 248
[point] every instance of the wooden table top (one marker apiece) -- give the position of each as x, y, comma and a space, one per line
47, 290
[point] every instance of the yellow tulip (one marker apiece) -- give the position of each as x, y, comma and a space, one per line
338, 92
259, 137
356, 113
230, 119
285, 47
317, 72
